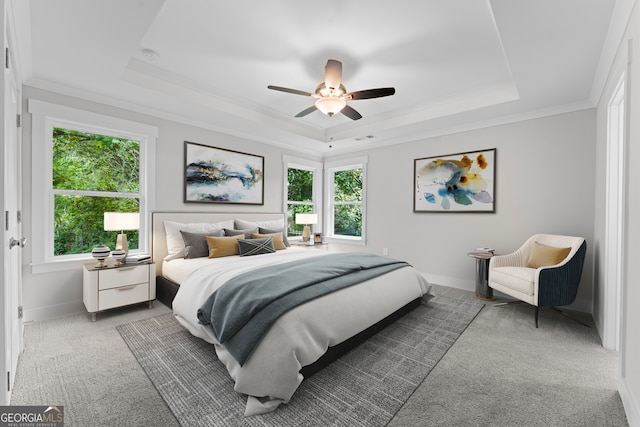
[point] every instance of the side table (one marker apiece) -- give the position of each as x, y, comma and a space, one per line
323, 245
483, 291
117, 285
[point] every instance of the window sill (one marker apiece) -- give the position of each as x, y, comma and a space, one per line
54, 266
345, 241
66, 264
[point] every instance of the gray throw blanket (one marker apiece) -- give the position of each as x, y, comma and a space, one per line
243, 309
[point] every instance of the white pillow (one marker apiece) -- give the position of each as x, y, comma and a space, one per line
241, 224
175, 242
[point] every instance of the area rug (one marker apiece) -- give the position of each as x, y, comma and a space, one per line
365, 387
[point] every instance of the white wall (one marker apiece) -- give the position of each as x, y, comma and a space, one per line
544, 184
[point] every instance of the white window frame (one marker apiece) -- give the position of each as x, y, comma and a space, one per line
316, 195
330, 169
46, 116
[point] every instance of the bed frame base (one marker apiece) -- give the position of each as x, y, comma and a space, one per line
166, 291
336, 351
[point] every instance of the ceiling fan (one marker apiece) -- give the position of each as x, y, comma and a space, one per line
332, 96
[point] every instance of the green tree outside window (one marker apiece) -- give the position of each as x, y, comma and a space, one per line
347, 211
92, 174
299, 197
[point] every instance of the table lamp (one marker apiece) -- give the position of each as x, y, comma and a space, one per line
121, 221
306, 219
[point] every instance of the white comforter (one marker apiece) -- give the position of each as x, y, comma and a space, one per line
301, 336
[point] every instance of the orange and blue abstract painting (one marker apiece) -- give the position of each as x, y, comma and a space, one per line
462, 182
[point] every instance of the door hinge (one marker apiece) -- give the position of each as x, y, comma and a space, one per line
19, 216
20, 312
19, 120
8, 381
6, 58
6, 220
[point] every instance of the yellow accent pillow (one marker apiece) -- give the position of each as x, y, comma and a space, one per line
223, 246
278, 242
544, 256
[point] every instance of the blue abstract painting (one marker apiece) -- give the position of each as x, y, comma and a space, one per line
462, 182
217, 175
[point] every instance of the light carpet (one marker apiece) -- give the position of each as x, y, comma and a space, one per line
365, 387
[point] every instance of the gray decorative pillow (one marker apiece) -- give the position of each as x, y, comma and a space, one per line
195, 244
260, 246
275, 230
247, 232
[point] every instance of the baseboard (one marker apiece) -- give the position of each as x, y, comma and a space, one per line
49, 312
630, 404
582, 305
452, 282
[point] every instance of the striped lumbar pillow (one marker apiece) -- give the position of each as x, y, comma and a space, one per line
256, 246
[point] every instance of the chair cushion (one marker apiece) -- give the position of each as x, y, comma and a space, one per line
543, 255
517, 278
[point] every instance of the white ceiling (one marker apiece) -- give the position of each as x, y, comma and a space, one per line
453, 63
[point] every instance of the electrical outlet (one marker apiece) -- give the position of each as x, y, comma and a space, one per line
385, 251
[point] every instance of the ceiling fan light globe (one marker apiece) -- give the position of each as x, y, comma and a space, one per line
330, 105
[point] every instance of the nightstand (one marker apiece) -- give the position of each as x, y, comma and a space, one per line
116, 286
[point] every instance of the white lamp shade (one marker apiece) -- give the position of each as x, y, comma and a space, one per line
306, 219
120, 221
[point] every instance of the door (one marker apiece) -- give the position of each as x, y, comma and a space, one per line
13, 243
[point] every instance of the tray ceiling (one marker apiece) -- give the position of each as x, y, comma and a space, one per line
453, 63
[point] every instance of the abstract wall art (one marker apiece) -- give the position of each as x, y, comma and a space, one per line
216, 175
462, 182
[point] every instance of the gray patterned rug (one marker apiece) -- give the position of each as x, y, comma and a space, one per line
365, 387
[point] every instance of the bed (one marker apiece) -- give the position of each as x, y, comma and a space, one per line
303, 339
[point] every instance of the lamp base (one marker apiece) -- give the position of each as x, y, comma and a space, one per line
121, 243
306, 233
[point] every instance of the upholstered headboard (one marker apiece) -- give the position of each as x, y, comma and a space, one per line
159, 242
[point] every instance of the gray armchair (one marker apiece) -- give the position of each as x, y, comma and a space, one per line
544, 272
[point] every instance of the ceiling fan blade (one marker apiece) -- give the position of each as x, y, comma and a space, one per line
293, 91
333, 74
371, 93
307, 111
351, 113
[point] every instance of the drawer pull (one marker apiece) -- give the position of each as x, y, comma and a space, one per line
124, 269
126, 288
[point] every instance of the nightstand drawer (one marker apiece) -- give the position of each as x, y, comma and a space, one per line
123, 295
123, 276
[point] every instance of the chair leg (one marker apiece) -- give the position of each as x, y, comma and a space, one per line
536, 316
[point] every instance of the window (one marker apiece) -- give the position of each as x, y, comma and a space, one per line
92, 174
89, 164
346, 197
303, 187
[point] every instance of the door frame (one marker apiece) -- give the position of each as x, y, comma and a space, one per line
11, 326
614, 212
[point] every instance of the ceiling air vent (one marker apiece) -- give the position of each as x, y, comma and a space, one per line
362, 138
